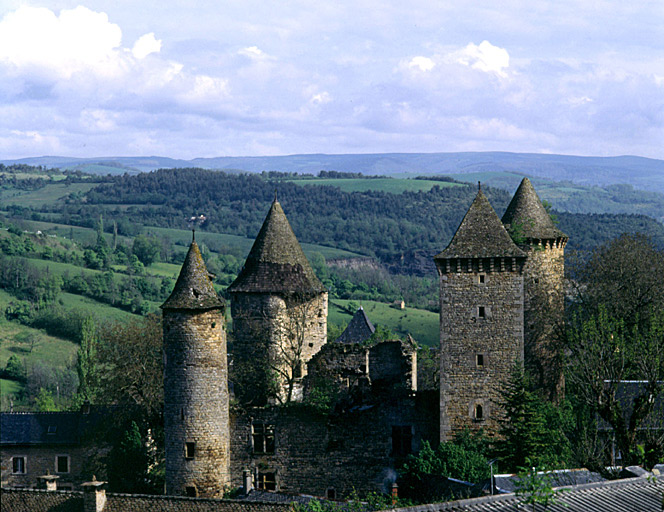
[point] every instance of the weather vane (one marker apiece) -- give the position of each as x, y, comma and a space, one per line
195, 221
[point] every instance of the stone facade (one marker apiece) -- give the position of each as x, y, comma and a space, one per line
481, 325
196, 403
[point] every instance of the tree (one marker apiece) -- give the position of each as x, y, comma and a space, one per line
45, 402
146, 249
86, 362
15, 369
604, 352
536, 488
532, 429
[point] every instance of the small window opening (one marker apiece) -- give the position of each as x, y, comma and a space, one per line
62, 464
267, 481
18, 465
189, 450
331, 494
402, 440
479, 360
263, 437
191, 491
481, 312
311, 345
214, 324
297, 371
182, 414
363, 368
479, 412
481, 278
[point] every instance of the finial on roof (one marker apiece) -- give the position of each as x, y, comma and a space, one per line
275, 195
193, 235
479, 186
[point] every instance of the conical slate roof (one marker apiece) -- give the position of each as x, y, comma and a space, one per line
481, 235
276, 263
527, 211
193, 289
359, 329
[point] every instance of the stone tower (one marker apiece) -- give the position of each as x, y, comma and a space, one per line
533, 231
196, 423
481, 320
279, 310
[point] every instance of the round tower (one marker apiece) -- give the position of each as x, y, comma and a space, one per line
196, 423
534, 232
481, 320
279, 310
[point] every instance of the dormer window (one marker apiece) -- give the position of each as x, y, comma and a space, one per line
52, 430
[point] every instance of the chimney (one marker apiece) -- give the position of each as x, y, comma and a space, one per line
94, 496
48, 482
246, 482
395, 493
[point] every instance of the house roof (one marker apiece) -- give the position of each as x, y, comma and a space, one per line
359, 328
528, 213
276, 262
193, 289
559, 478
481, 234
47, 428
642, 494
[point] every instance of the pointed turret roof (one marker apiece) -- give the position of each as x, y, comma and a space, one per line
481, 235
193, 289
359, 329
276, 262
527, 211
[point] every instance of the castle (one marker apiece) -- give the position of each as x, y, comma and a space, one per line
501, 298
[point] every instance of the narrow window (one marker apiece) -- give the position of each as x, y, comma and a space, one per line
479, 412
402, 440
331, 494
62, 464
267, 481
479, 360
190, 491
263, 437
481, 312
481, 279
18, 465
189, 450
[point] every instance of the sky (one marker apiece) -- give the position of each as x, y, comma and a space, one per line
193, 78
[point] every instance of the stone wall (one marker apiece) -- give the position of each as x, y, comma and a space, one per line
343, 452
278, 336
481, 338
41, 460
196, 403
544, 310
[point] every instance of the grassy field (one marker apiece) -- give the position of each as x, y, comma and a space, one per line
394, 186
47, 195
102, 311
420, 324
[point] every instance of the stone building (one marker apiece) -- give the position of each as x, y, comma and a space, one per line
533, 231
279, 310
196, 424
481, 319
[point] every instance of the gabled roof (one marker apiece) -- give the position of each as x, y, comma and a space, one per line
276, 262
481, 235
359, 328
193, 289
527, 211
48, 428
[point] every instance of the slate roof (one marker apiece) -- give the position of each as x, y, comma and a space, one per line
359, 328
193, 289
276, 263
527, 211
481, 234
631, 495
559, 478
47, 428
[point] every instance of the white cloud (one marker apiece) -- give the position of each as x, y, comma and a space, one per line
422, 63
484, 57
145, 45
254, 53
320, 98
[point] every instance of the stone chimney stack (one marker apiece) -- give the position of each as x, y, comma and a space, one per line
247, 484
48, 482
94, 496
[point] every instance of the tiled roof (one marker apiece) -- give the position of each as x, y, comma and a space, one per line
359, 328
276, 263
631, 495
481, 235
39, 428
193, 289
559, 478
526, 211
